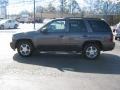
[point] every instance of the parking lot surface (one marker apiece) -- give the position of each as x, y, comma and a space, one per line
56, 70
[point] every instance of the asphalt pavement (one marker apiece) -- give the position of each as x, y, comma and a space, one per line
57, 70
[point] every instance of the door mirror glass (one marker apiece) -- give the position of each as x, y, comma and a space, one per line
44, 30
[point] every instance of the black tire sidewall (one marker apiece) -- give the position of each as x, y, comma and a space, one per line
115, 38
1, 27
25, 42
15, 27
85, 48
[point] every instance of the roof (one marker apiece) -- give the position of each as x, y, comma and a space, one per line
81, 18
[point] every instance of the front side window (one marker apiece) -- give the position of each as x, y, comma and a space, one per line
56, 26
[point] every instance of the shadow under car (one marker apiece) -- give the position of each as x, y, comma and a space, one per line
105, 64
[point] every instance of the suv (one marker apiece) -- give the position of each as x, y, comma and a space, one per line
116, 31
86, 35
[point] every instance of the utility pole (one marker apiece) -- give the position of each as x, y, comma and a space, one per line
3, 8
61, 7
34, 13
71, 11
41, 12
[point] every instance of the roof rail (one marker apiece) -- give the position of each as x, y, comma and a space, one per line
72, 17
81, 18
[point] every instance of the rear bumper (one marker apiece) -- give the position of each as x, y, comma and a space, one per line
109, 46
12, 45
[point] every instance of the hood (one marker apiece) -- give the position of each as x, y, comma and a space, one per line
31, 33
26, 35
2, 22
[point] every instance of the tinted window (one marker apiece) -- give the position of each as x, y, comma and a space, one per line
12, 20
77, 26
57, 26
99, 26
9, 21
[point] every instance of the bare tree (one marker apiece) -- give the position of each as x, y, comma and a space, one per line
74, 6
63, 6
51, 8
105, 7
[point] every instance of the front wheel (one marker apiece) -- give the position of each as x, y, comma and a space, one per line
16, 26
2, 27
25, 48
91, 51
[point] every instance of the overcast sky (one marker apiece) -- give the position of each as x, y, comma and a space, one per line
16, 6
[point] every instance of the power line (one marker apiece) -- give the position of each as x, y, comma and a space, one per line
31, 1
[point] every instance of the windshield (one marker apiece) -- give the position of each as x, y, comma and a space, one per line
44, 25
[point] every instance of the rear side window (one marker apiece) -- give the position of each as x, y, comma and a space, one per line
99, 26
77, 26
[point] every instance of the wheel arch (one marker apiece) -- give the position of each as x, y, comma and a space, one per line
21, 40
96, 42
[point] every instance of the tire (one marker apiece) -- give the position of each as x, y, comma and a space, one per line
115, 38
2, 27
25, 48
16, 26
91, 51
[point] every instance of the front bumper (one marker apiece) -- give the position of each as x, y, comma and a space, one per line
12, 45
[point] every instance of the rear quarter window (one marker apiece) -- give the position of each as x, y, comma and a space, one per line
99, 26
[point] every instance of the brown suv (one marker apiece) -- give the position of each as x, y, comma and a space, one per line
86, 35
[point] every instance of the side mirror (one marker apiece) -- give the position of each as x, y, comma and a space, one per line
44, 30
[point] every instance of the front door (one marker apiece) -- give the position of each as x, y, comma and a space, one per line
52, 37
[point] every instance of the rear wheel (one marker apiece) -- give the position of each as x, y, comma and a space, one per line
25, 48
91, 51
115, 38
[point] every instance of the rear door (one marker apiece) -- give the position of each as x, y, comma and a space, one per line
77, 32
100, 30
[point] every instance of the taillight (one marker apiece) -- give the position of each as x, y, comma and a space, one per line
111, 37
